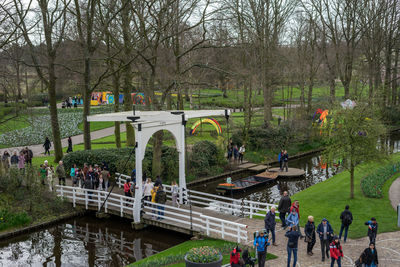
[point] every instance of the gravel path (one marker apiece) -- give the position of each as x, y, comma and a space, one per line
394, 194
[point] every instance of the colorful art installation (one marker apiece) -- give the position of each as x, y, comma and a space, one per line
206, 120
99, 98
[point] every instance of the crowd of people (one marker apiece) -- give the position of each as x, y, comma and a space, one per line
89, 177
18, 160
331, 248
70, 102
154, 193
235, 153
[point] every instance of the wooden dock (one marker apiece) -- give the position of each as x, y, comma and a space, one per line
292, 172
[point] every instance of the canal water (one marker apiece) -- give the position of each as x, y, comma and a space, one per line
86, 241
316, 171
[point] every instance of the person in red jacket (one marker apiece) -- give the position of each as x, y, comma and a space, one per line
235, 258
336, 251
295, 205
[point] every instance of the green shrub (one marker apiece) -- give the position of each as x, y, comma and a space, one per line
204, 158
10, 219
372, 184
116, 160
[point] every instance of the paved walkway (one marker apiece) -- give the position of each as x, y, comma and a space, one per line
38, 150
394, 194
388, 247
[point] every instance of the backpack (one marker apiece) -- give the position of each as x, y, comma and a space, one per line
347, 219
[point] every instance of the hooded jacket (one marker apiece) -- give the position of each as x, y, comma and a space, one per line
335, 250
270, 221
372, 228
329, 230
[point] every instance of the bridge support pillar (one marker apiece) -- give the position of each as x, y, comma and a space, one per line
137, 226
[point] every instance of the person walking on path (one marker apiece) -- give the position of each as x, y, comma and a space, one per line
73, 175
148, 186
372, 229
43, 173
370, 256
285, 161
153, 198
127, 189
158, 181
14, 160
60, 173
5, 160
292, 245
28, 156
235, 153
270, 223
336, 251
105, 174
242, 150
50, 177
284, 207
69, 149
296, 207
21, 162
161, 198
280, 159
347, 218
292, 219
261, 244
175, 191
325, 233
47, 145
309, 231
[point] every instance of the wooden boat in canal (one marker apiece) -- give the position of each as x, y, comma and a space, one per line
248, 182
258, 180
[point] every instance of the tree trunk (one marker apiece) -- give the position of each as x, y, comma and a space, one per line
351, 179
130, 133
117, 130
86, 104
157, 151
58, 153
309, 98
246, 106
394, 78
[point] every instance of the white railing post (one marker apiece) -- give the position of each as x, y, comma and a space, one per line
61, 191
73, 197
121, 205
98, 199
86, 198
223, 229
106, 204
251, 210
239, 233
207, 227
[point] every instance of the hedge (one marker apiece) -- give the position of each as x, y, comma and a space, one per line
372, 184
203, 159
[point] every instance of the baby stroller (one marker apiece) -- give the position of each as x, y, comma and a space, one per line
248, 260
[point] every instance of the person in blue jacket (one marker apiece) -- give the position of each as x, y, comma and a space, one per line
325, 233
280, 159
292, 219
293, 239
261, 243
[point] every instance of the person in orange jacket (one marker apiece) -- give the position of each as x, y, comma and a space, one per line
336, 251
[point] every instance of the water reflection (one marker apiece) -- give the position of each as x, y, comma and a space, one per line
86, 241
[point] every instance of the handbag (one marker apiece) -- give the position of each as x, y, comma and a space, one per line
307, 239
358, 263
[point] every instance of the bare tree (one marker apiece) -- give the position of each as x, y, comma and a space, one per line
52, 18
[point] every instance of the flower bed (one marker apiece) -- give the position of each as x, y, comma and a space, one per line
40, 127
372, 184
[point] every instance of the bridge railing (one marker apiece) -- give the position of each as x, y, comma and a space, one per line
90, 197
239, 207
196, 221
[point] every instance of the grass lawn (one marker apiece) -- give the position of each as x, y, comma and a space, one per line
328, 199
98, 125
181, 249
13, 124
